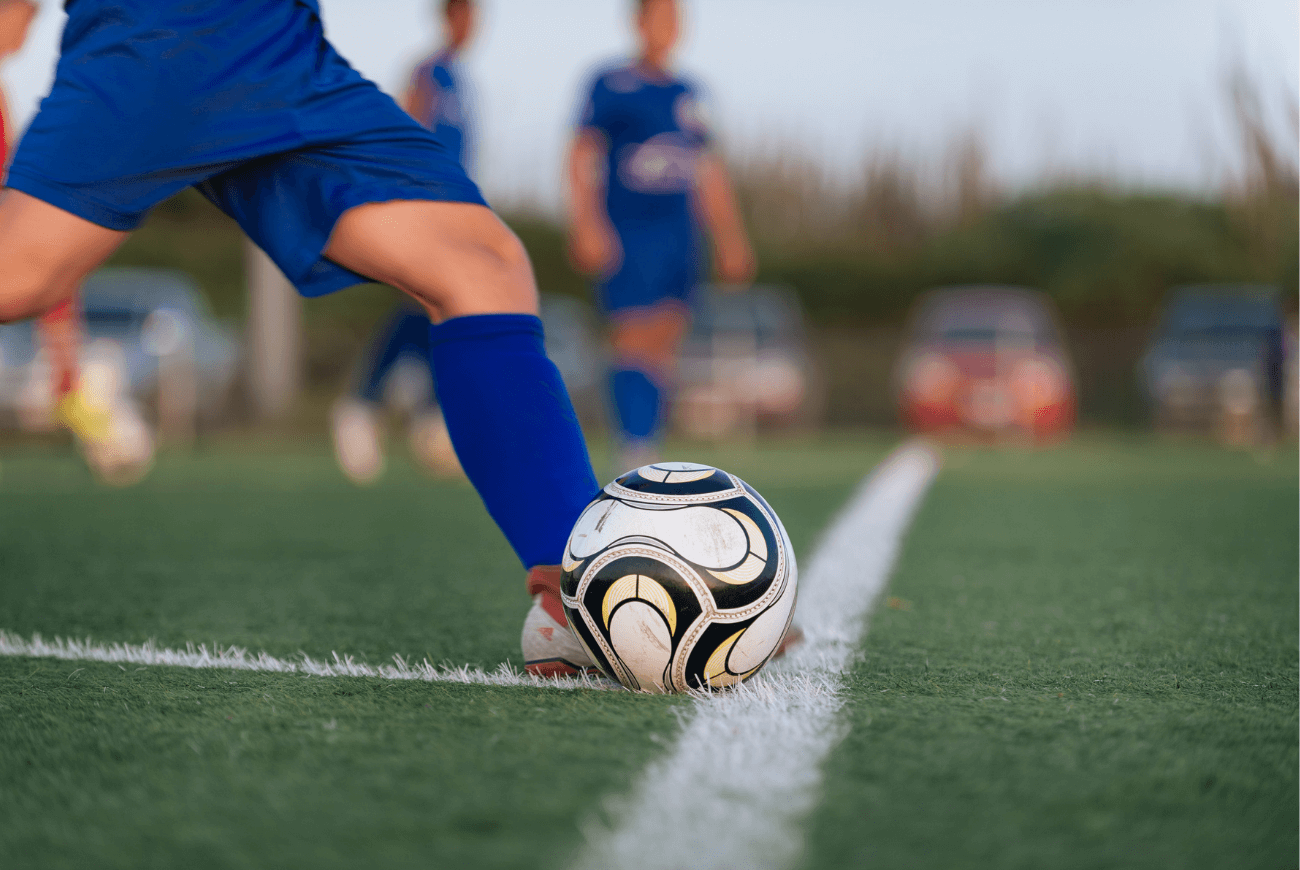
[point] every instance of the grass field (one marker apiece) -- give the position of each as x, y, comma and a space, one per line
1088, 659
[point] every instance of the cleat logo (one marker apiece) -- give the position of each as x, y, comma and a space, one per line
546, 632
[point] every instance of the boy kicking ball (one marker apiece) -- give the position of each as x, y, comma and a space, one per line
248, 102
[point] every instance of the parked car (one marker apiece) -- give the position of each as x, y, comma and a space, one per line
745, 364
1217, 361
986, 361
139, 323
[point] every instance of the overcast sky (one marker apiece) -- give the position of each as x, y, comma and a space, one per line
1129, 89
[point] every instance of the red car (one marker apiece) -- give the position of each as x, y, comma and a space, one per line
986, 362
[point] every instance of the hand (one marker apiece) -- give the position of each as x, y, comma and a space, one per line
594, 248
734, 260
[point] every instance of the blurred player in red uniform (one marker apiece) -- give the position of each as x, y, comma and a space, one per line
59, 329
643, 181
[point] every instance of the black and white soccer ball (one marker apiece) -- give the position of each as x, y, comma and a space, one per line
678, 577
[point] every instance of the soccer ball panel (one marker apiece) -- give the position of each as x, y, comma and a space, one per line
641, 639
645, 589
675, 472
701, 534
717, 674
759, 640
590, 639
675, 482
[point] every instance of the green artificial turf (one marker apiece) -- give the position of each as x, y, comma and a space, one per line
1088, 660
119, 766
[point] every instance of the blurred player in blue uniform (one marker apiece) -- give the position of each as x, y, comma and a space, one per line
435, 97
249, 102
642, 180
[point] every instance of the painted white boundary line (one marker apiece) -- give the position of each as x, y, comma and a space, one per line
746, 769
234, 658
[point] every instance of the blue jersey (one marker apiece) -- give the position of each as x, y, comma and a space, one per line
441, 104
655, 132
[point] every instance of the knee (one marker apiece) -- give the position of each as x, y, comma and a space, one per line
494, 276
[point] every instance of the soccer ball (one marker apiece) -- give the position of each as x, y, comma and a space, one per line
677, 577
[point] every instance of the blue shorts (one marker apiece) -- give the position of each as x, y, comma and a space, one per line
660, 264
243, 99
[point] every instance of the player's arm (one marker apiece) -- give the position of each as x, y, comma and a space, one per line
593, 245
716, 201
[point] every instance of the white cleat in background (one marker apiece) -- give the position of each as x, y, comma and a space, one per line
355, 427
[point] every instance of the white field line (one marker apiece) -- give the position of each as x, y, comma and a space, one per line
234, 658
746, 770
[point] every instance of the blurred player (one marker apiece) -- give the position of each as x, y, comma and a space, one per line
247, 101
434, 97
58, 329
91, 418
642, 177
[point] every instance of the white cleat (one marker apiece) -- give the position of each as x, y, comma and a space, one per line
124, 455
550, 649
356, 441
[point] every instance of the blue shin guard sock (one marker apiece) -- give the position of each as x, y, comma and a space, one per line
638, 404
514, 429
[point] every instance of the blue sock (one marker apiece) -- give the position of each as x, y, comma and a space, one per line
638, 404
514, 429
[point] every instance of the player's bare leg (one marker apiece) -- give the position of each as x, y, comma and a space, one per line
506, 408
457, 259
45, 254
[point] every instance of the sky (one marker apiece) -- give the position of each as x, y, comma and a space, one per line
1131, 90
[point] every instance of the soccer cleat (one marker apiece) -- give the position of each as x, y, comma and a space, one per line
356, 441
90, 421
550, 649
125, 455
